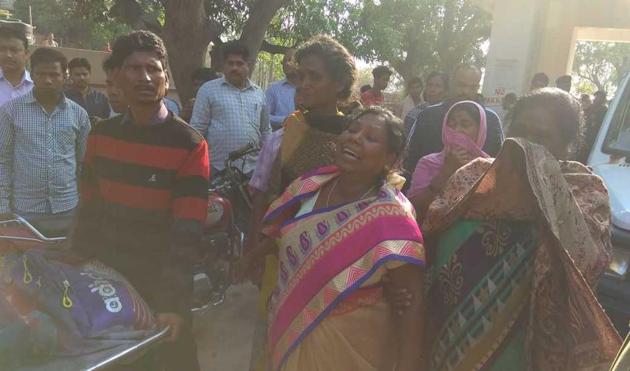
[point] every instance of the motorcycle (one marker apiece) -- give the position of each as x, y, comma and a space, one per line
229, 206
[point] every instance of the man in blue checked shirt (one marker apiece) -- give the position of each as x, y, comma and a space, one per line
43, 136
231, 112
281, 94
14, 78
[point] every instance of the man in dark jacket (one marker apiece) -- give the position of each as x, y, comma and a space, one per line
426, 136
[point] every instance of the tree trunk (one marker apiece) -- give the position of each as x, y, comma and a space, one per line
404, 68
187, 32
260, 15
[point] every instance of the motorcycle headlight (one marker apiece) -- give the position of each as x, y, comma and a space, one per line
215, 214
619, 263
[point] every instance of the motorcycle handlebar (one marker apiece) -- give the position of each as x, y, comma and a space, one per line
235, 155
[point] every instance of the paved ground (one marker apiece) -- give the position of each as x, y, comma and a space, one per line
224, 334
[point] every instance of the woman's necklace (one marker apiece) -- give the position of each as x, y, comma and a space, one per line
332, 190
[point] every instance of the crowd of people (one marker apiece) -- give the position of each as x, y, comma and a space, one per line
432, 243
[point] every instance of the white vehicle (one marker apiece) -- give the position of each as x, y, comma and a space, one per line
610, 159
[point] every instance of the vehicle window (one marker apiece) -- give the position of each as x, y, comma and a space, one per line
618, 136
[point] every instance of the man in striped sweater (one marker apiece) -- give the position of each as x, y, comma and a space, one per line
144, 194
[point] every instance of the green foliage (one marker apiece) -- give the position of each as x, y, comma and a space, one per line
417, 36
600, 65
413, 36
268, 69
300, 19
77, 23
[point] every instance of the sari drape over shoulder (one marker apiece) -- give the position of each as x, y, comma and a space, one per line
522, 241
331, 261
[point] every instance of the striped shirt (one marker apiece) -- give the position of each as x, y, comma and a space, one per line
143, 200
39, 154
9, 92
231, 118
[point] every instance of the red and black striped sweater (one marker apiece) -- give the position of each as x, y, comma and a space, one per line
143, 201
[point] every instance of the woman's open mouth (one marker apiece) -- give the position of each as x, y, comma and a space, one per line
350, 154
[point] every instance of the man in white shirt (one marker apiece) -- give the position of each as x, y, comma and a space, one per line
15, 80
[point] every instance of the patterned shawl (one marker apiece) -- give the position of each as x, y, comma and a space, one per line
568, 330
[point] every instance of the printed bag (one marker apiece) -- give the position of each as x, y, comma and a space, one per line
91, 307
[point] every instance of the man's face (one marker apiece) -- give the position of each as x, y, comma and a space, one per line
415, 90
235, 69
48, 79
465, 84
435, 91
381, 82
142, 79
288, 66
13, 55
114, 94
80, 78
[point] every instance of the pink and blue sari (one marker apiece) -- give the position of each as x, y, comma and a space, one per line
328, 257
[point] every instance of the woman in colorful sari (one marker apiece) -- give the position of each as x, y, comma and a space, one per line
463, 136
305, 142
339, 230
520, 243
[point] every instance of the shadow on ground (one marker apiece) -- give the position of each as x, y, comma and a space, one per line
224, 333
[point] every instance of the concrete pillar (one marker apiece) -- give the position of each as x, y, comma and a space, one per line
513, 48
557, 44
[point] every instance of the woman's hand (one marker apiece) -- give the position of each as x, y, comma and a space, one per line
461, 156
410, 324
250, 265
456, 157
171, 320
399, 297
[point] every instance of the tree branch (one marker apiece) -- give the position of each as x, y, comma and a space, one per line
260, 14
587, 77
273, 48
131, 13
212, 28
